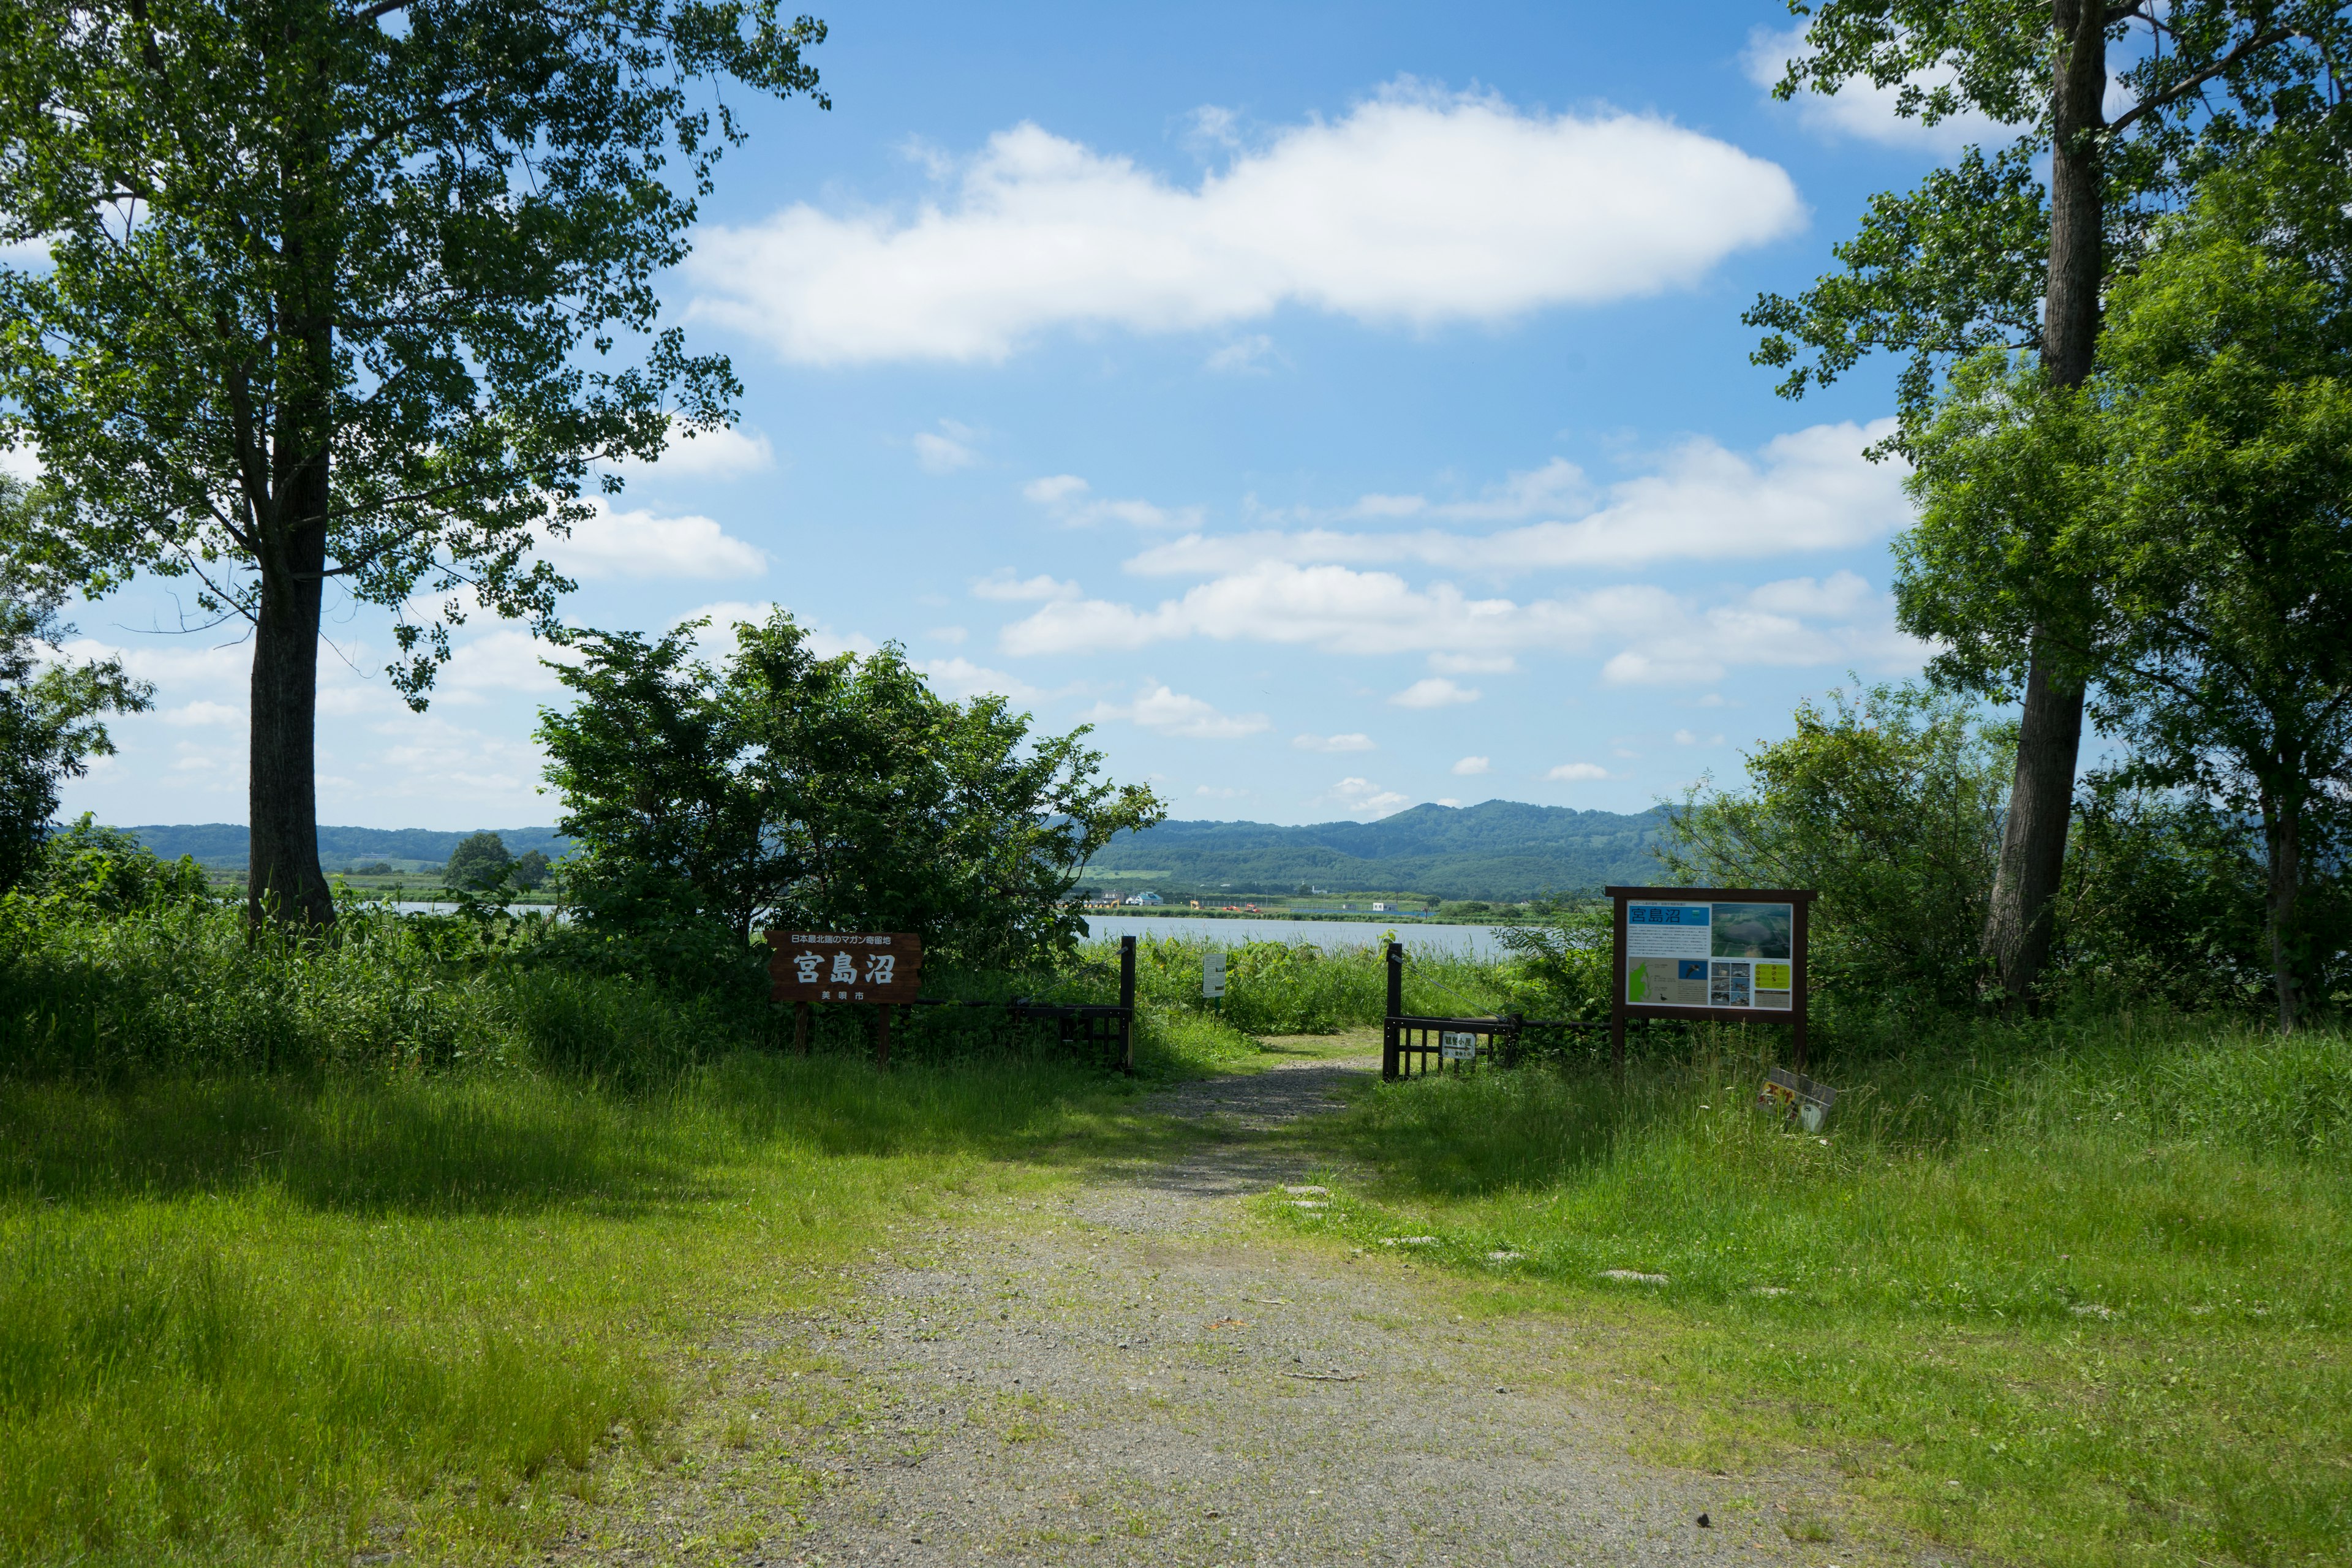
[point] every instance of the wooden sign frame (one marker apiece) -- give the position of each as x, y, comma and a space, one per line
885, 970
1800, 900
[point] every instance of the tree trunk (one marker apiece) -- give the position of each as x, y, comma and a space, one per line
2049, 734
283, 880
2282, 829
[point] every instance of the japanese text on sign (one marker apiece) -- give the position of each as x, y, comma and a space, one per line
834, 966
1715, 954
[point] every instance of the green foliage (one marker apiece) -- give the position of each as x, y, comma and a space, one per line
1300, 988
1961, 264
529, 869
91, 870
348, 334
50, 706
1888, 803
480, 860
837, 794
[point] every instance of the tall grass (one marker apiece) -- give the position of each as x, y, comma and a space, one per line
254, 1318
2073, 1294
1300, 987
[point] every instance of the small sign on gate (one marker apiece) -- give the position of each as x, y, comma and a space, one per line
1212, 976
1456, 1048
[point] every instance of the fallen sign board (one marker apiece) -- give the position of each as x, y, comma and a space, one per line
1797, 1098
837, 967
1456, 1048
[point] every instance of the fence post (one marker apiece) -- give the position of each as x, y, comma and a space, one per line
1389, 1040
1127, 1006
800, 1027
882, 1037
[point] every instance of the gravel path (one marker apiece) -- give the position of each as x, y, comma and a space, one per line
1141, 1372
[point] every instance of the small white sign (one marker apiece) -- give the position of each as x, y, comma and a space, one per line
1454, 1048
1213, 975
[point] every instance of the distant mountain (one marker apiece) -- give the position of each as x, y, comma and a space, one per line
1497, 849
227, 844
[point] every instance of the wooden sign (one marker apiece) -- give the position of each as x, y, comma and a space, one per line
837, 966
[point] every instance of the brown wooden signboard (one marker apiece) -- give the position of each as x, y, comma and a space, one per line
838, 966
1720, 953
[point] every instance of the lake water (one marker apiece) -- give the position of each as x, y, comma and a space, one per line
1465, 941
1468, 941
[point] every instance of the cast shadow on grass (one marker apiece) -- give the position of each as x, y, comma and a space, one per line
517, 1144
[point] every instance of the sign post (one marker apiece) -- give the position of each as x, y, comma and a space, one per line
880, 970
1212, 979
1718, 953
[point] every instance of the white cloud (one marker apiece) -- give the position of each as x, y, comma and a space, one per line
950, 634
1447, 800
1667, 638
190, 714
1446, 663
1334, 743
1220, 791
1065, 497
1242, 356
1363, 797
1860, 108
636, 544
22, 462
1471, 767
717, 638
1808, 489
1435, 691
946, 450
1415, 207
726, 453
1173, 713
1691, 738
503, 659
960, 678
32, 253
1569, 772
1054, 488
1003, 584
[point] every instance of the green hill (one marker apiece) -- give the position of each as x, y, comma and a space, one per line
1496, 850
224, 844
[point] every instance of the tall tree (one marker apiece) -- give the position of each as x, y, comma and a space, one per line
1982, 254
2226, 550
320, 277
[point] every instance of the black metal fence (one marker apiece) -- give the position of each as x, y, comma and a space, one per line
1102, 1029
1408, 1040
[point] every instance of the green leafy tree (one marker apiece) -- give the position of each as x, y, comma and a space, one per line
1887, 803
51, 709
320, 277
2227, 550
824, 793
1982, 255
529, 869
480, 860
107, 871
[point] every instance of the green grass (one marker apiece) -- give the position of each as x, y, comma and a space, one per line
309, 1247
2074, 1296
261, 1320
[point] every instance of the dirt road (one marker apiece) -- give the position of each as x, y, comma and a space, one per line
1144, 1371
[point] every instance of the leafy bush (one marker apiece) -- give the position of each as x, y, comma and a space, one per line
1888, 803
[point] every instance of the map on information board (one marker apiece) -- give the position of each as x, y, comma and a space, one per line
1709, 955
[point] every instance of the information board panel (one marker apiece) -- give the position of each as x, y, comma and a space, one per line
1710, 952
1720, 953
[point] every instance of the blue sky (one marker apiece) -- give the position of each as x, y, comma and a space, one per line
1339, 407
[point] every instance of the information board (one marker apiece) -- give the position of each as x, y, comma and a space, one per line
1718, 953
1710, 952
839, 966
1212, 976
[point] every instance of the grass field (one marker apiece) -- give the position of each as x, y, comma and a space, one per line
2075, 1296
